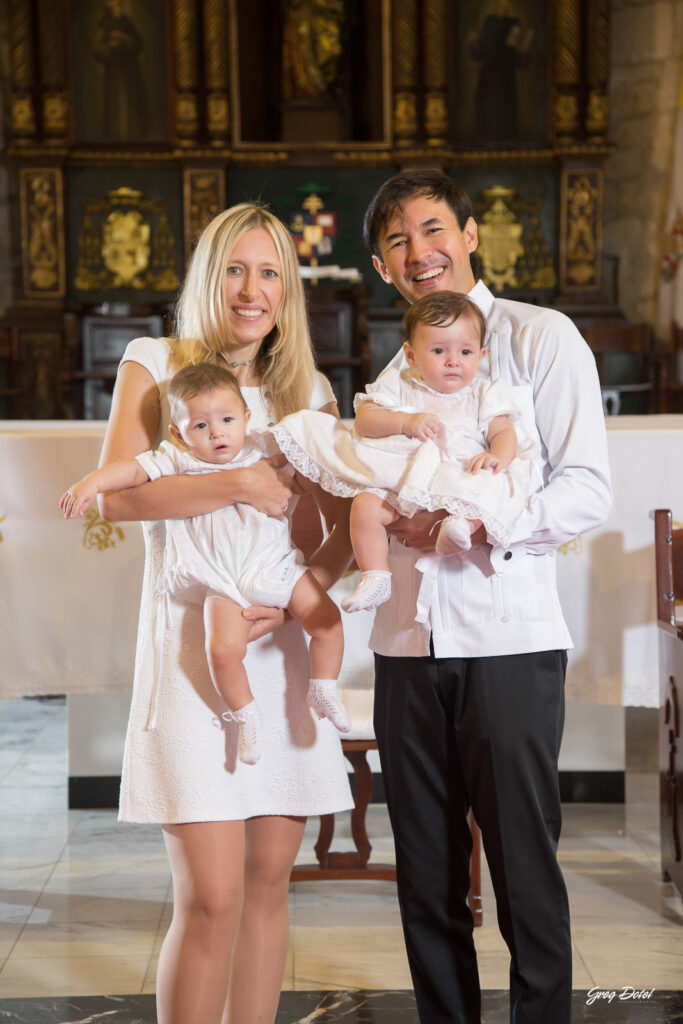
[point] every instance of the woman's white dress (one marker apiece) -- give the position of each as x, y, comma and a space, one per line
180, 761
411, 474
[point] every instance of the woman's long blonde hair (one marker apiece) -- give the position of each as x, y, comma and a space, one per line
285, 360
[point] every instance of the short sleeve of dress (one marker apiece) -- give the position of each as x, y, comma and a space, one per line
152, 353
494, 400
161, 462
388, 390
322, 393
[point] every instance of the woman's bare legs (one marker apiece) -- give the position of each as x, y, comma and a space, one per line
259, 956
207, 864
230, 916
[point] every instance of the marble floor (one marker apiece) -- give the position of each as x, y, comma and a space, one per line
85, 901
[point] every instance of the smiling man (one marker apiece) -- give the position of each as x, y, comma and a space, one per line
469, 706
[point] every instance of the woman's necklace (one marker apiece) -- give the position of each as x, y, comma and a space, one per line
235, 362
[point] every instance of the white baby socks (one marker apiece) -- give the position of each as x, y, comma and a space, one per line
373, 588
250, 737
323, 698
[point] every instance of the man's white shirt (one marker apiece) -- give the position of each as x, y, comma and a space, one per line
493, 601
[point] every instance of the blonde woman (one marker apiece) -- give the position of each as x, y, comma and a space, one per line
232, 831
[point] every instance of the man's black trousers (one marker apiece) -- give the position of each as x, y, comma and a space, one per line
480, 732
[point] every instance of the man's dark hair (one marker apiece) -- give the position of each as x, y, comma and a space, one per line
420, 181
441, 309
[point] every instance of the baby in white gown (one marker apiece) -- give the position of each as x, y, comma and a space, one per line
233, 557
431, 436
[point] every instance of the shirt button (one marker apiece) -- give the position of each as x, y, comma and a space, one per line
507, 556
503, 618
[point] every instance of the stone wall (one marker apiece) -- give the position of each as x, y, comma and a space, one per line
646, 65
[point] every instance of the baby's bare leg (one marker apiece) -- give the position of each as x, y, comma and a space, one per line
227, 633
319, 616
370, 516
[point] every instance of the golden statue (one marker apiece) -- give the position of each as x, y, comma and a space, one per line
311, 47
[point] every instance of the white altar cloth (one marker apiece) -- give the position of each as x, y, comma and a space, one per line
69, 591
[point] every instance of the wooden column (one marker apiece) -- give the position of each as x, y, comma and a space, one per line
567, 70
435, 44
405, 71
53, 75
22, 76
597, 106
216, 64
186, 46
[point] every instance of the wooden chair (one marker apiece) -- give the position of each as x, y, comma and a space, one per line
671, 373
356, 863
626, 365
669, 574
669, 568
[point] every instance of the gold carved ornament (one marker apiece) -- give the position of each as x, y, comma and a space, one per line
98, 533
582, 227
23, 116
2, 519
120, 247
43, 246
56, 113
203, 198
509, 255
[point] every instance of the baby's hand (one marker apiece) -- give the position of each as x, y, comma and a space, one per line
77, 499
485, 460
422, 425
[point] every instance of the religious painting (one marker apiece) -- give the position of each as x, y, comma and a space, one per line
119, 79
499, 81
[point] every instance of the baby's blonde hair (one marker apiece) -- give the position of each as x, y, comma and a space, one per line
285, 360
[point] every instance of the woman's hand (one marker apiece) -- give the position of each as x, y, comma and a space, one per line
264, 619
268, 489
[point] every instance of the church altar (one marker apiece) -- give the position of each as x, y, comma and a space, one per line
70, 590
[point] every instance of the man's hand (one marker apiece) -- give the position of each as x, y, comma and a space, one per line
264, 619
269, 489
424, 426
485, 460
421, 531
